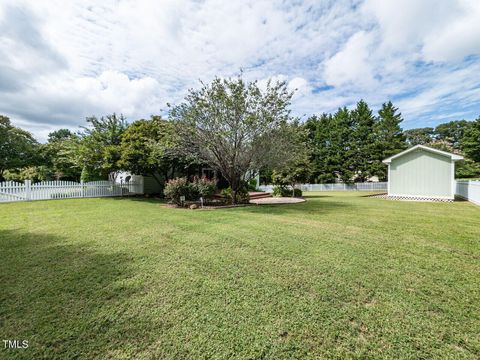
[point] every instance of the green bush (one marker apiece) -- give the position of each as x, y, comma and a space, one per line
297, 193
175, 188
252, 185
284, 191
242, 195
204, 187
281, 190
192, 190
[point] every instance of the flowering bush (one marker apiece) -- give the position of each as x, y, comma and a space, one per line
192, 190
175, 188
204, 186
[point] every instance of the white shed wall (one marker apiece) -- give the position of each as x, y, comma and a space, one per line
422, 173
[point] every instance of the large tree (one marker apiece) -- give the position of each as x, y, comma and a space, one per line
470, 142
361, 154
389, 138
149, 148
420, 136
451, 133
18, 148
59, 155
330, 142
236, 127
99, 149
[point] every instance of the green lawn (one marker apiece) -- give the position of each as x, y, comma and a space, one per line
341, 275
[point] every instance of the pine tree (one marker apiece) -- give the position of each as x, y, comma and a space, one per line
362, 154
471, 141
389, 138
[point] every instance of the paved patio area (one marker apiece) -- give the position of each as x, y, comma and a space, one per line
277, 201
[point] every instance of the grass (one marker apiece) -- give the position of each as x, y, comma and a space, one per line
338, 276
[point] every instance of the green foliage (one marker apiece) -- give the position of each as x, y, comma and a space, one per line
176, 188
388, 137
204, 187
87, 176
149, 147
470, 143
452, 133
467, 168
328, 139
280, 190
298, 168
420, 136
351, 145
34, 173
60, 155
252, 185
284, 191
99, 147
192, 190
60, 135
18, 148
360, 153
239, 197
235, 127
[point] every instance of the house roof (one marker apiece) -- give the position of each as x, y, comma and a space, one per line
453, 157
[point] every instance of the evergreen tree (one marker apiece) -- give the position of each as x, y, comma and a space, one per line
389, 138
470, 142
361, 154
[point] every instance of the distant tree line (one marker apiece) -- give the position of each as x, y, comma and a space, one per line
350, 145
235, 128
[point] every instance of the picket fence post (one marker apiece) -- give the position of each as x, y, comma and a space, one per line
83, 188
28, 190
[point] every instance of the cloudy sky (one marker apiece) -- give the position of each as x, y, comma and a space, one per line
61, 61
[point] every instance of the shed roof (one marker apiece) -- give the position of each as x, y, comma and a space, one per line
453, 157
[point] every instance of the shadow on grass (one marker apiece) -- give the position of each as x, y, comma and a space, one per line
316, 196
63, 298
151, 200
309, 206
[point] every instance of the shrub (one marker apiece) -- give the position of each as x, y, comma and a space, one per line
284, 191
204, 187
242, 195
297, 193
198, 187
252, 185
281, 190
175, 188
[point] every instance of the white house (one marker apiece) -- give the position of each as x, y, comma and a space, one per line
422, 172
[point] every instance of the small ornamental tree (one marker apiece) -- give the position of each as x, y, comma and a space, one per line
298, 169
235, 127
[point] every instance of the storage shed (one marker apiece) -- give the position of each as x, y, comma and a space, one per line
422, 173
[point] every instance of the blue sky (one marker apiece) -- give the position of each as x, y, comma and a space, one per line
61, 61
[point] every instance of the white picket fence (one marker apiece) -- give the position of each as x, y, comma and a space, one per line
367, 186
468, 190
47, 190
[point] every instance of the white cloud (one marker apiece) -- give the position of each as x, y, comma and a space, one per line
428, 29
63, 60
351, 65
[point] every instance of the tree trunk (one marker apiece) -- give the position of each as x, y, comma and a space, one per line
234, 196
